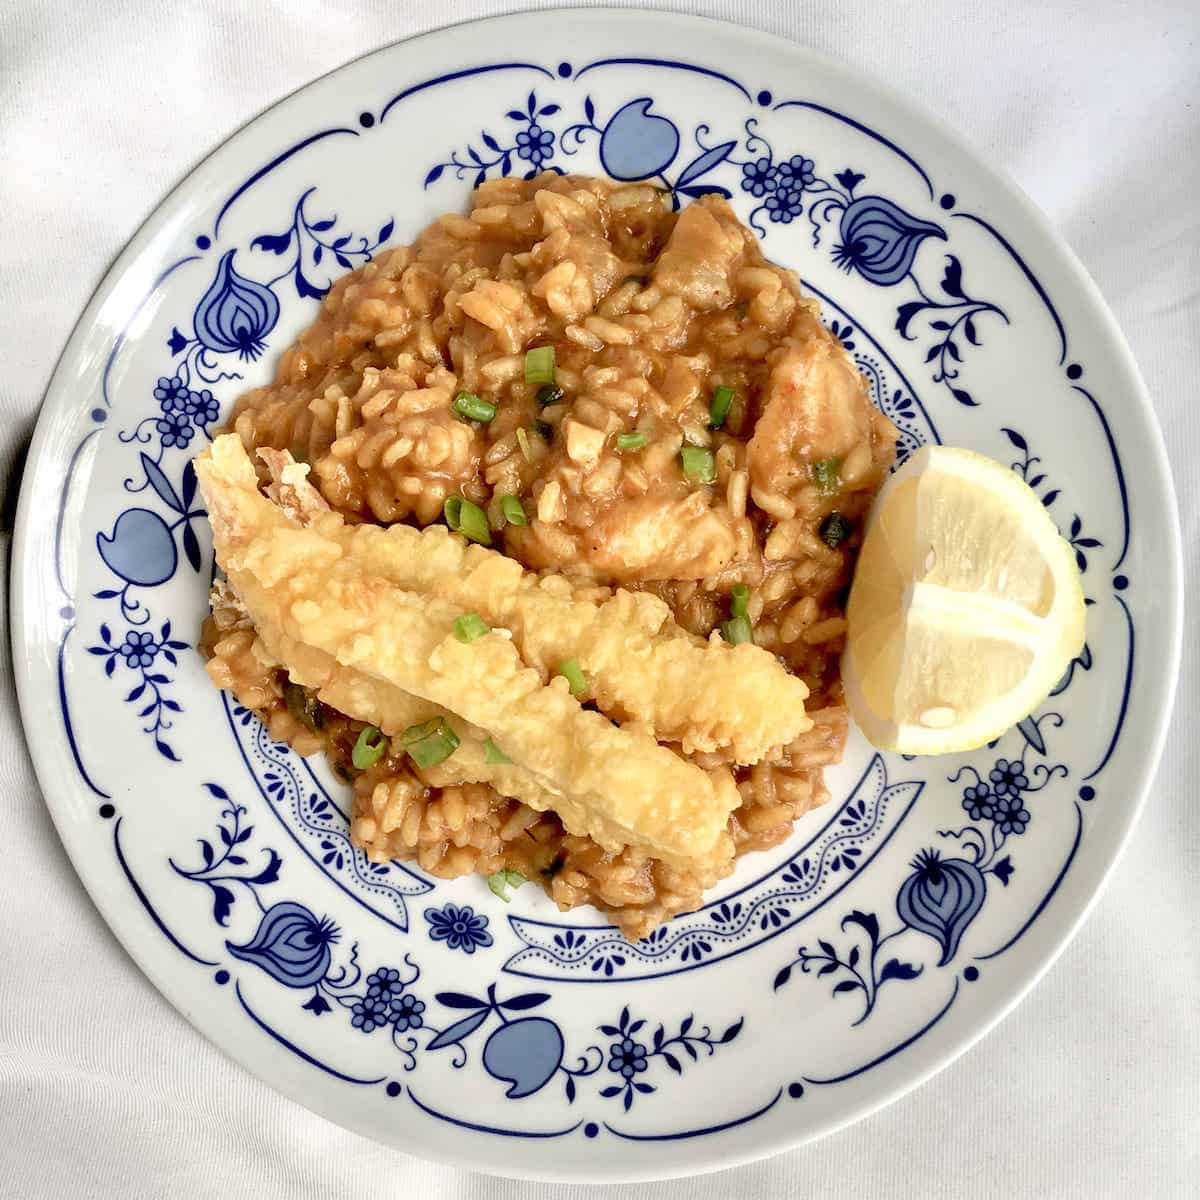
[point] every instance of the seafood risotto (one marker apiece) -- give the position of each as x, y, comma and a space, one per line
617, 669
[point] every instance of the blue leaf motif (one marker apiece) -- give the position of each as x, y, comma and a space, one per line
941, 898
161, 484
636, 144
455, 1033
880, 240
275, 243
1031, 733
291, 945
705, 163
235, 314
140, 548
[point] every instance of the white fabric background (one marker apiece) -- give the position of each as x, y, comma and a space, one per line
1092, 1088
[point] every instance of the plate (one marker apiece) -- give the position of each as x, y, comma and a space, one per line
828, 976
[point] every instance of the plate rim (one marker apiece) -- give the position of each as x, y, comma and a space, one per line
1161, 688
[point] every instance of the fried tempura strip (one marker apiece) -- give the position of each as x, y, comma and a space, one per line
640, 666
388, 708
614, 785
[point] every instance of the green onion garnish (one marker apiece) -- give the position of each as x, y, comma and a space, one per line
549, 393
699, 465
739, 598
430, 743
501, 881
523, 442
539, 365
737, 630
631, 441
468, 519
825, 476
513, 510
470, 626
718, 410
369, 748
303, 705
471, 408
493, 754
569, 669
835, 529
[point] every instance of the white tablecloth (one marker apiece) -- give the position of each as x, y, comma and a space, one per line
1092, 1088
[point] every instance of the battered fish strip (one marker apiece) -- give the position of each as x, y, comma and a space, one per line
615, 785
640, 666
388, 708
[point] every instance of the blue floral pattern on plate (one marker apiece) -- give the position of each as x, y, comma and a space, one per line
871, 900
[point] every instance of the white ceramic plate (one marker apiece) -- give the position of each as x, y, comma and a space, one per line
829, 975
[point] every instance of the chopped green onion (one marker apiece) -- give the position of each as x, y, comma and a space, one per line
493, 754
544, 430
835, 529
430, 743
471, 408
501, 881
303, 706
468, 519
718, 410
739, 598
569, 669
825, 476
369, 749
549, 393
737, 630
470, 626
631, 441
699, 465
523, 442
513, 510
539, 365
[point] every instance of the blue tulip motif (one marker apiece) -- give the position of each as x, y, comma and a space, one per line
291, 945
880, 240
637, 144
235, 314
140, 548
524, 1054
941, 898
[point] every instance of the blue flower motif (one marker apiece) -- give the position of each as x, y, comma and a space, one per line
174, 429
384, 983
979, 801
880, 240
941, 898
405, 1012
235, 314
201, 407
524, 1053
139, 649
171, 393
1011, 815
759, 177
1008, 778
458, 927
798, 172
784, 205
535, 144
140, 548
291, 945
369, 1013
636, 143
627, 1058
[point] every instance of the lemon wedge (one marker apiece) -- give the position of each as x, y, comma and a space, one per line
966, 606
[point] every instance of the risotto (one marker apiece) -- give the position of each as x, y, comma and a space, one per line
613, 394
